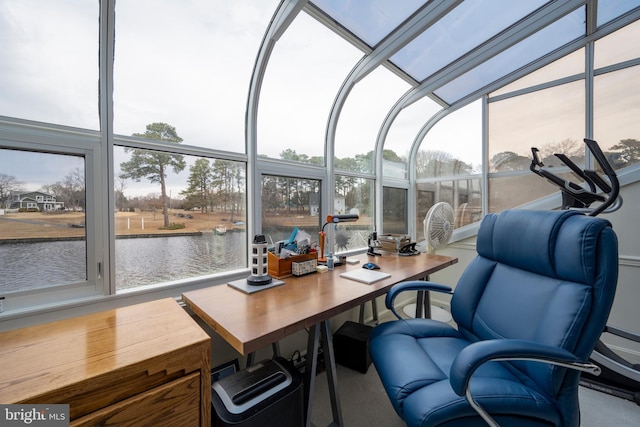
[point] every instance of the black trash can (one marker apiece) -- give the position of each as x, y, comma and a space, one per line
267, 394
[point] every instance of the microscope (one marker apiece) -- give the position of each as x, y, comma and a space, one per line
373, 244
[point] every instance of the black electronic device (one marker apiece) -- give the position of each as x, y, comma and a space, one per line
371, 266
408, 250
267, 394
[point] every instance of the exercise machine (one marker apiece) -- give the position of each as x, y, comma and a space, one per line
619, 377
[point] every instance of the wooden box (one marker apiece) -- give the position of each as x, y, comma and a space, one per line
281, 267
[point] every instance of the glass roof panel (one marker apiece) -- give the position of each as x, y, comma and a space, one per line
616, 48
566, 66
466, 27
370, 20
611, 9
544, 41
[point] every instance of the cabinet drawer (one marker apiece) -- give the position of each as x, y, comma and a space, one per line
176, 403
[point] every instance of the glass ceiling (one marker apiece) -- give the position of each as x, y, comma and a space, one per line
456, 49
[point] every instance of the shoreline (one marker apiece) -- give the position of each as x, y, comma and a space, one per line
74, 238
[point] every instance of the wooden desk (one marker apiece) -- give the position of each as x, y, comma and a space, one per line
145, 364
250, 322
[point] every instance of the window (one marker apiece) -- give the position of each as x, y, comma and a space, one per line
616, 97
177, 216
367, 103
188, 64
448, 167
551, 120
288, 203
42, 221
616, 127
394, 210
297, 92
402, 134
354, 195
49, 70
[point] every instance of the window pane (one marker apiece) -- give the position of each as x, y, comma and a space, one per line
464, 195
616, 125
403, 133
551, 120
42, 220
192, 225
507, 192
49, 61
288, 203
187, 63
354, 196
305, 71
615, 47
566, 66
453, 146
394, 210
360, 120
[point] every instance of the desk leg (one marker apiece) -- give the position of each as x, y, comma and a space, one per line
251, 357
423, 302
311, 365
317, 333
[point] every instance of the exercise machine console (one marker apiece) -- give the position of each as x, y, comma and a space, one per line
619, 376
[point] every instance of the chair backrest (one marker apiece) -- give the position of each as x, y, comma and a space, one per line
546, 276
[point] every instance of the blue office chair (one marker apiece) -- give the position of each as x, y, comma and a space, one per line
529, 310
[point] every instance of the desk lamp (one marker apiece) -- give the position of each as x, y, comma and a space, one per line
334, 219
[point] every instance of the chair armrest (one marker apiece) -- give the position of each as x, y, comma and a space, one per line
412, 285
476, 354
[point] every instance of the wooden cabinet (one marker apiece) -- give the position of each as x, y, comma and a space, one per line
145, 364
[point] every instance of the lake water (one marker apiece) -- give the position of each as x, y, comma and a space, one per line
139, 261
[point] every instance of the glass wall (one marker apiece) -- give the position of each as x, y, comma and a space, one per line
122, 130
